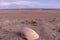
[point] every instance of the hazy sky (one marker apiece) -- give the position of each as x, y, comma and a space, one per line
7, 4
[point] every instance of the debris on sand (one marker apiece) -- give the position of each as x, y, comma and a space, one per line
32, 22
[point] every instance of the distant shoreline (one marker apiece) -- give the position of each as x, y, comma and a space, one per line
32, 9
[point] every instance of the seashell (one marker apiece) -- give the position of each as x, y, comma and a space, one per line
30, 33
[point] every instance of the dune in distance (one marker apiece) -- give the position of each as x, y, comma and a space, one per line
46, 24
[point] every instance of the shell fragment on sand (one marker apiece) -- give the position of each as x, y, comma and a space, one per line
30, 33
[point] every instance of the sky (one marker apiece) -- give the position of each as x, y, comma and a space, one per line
12, 4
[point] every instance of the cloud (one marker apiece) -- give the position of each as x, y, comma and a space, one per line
27, 4
4, 3
20, 4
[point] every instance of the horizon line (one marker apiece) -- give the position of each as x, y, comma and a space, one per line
32, 9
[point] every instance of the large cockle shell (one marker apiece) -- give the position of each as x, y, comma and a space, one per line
30, 33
